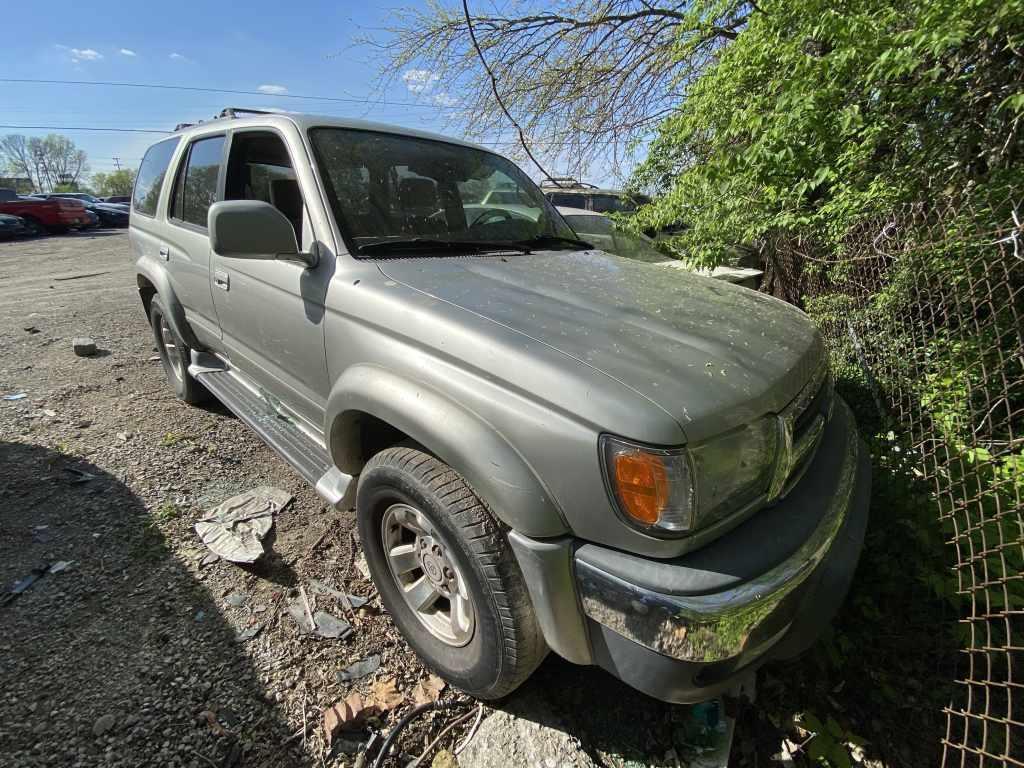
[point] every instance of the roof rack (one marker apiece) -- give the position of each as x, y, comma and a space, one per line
235, 111
565, 182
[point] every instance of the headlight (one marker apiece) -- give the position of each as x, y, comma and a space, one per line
653, 488
734, 469
674, 491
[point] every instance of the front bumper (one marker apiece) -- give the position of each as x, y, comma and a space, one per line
684, 629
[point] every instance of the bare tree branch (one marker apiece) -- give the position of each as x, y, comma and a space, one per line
576, 82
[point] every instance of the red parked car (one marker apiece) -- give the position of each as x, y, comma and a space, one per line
56, 215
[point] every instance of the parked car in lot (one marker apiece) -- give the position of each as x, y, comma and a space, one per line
121, 199
598, 229
548, 446
12, 226
107, 214
43, 215
571, 193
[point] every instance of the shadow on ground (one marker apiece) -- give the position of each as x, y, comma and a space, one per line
116, 659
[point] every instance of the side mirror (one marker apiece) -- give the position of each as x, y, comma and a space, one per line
253, 229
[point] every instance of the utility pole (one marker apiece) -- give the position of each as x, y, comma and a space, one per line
117, 162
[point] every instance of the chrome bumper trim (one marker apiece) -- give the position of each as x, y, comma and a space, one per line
728, 624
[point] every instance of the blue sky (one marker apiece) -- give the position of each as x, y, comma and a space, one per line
303, 48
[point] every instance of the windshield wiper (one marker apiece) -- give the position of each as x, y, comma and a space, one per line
428, 243
541, 241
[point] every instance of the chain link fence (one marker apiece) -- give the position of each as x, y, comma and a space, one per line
924, 308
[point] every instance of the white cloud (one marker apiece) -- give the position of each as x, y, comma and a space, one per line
85, 54
419, 80
444, 99
128, 52
271, 89
177, 57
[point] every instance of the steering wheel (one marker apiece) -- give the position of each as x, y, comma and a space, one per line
499, 213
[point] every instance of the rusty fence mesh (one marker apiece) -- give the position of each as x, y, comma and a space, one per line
925, 306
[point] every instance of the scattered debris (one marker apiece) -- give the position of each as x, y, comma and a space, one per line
356, 601
428, 690
235, 599
200, 615
155, 359
49, 412
385, 695
359, 670
18, 396
297, 610
124, 437
210, 718
30, 329
362, 567
24, 583
60, 565
248, 633
208, 559
343, 715
235, 528
330, 626
79, 476
437, 739
103, 724
83, 346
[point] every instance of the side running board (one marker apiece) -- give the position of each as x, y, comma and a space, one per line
302, 451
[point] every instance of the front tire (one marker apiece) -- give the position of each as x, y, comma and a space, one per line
175, 356
446, 573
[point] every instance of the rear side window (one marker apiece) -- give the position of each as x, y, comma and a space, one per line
196, 189
567, 200
150, 178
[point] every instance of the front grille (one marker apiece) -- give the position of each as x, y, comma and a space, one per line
820, 404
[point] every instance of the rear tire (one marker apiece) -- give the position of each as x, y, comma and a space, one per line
480, 632
175, 356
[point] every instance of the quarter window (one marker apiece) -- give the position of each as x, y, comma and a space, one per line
150, 179
197, 186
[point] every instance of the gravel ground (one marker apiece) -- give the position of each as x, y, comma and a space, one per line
130, 655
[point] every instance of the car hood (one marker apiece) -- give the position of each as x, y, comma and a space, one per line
710, 354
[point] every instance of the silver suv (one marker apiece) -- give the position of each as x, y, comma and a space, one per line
548, 447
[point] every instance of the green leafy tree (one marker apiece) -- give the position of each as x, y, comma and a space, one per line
818, 114
118, 182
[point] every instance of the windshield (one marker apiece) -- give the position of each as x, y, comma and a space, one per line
388, 188
600, 231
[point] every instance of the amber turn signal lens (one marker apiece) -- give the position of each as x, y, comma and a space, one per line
642, 485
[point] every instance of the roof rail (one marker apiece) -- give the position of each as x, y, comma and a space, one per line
565, 182
235, 111
182, 126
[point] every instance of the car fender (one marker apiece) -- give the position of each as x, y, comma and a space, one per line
156, 275
452, 432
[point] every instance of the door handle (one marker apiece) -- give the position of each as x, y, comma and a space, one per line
221, 280
165, 253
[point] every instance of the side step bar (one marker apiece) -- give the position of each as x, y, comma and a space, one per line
303, 452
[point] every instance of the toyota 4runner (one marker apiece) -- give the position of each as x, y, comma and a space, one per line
547, 446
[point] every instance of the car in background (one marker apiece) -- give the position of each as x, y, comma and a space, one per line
600, 230
12, 227
43, 215
570, 193
119, 199
107, 214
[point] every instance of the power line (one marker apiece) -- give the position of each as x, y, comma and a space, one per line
81, 128
159, 86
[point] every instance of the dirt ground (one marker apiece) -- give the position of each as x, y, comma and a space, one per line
131, 654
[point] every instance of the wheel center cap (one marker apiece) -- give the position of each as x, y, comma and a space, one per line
433, 566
